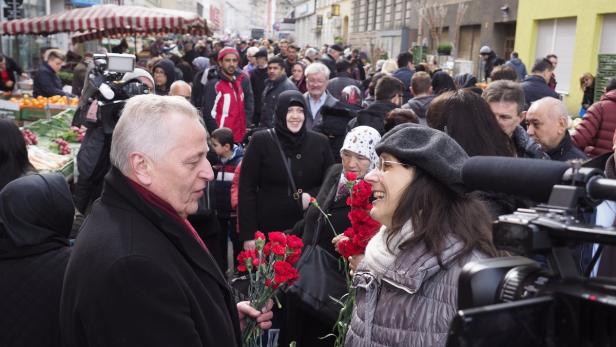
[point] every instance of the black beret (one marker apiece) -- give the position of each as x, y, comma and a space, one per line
429, 149
337, 48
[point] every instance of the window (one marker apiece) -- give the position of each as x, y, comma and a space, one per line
557, 36
608, 44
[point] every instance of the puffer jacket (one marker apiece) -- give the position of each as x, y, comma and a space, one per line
595, 133
413, 302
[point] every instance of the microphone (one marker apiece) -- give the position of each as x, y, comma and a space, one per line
531, 178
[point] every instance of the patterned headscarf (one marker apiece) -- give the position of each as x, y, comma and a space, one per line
362, 140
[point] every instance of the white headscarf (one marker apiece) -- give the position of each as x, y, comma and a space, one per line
362, 140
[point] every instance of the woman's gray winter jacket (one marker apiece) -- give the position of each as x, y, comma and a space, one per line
413, 303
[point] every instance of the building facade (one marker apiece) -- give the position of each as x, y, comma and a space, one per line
388, 27
319, 22
576, 34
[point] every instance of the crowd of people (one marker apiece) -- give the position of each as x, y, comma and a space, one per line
230, 140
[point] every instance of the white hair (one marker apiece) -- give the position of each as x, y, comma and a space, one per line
143, 127
315, 68
553, 107
252, 51
179, 84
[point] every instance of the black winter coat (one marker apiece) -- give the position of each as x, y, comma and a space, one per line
258, 77
137, 277
566, 150
270, 99
36, 214
12, 69
46, 82
265, 199
374, 115
535, 88
330, 62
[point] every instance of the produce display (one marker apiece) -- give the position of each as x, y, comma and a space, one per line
42, 102
43, 160
52, 143
29, 137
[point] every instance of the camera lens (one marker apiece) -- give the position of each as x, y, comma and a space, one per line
522, 282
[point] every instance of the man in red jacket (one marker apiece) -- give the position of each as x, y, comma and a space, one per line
228, 95
594, 134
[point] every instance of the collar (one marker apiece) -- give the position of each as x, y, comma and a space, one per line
563, 147
319, 100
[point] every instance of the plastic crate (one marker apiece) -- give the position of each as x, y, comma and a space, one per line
33, 114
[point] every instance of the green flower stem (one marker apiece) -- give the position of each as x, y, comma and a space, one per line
326, 217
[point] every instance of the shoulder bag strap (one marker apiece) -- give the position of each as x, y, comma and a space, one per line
297, 193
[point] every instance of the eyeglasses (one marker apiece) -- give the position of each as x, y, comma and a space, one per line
384, 165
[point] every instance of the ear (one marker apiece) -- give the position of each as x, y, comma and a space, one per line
141, 167
563, 123
523, 115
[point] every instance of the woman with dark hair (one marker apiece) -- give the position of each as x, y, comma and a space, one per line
14, 161
407, 284
468, 119
442, 82
267, 199
297, 77
36, 215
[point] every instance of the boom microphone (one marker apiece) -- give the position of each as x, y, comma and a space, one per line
531, 178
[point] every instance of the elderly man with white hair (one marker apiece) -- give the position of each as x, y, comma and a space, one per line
317, 96
548, 122
139, 274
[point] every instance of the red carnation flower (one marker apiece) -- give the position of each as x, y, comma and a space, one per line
294, 242
259, 236
246, 258
294, 257
313, 200
279, 249
278, 237
350, 176
284, 273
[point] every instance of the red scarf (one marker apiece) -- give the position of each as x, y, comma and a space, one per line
164, 206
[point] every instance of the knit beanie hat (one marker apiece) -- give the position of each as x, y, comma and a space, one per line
228, 50
429, 149
362, 140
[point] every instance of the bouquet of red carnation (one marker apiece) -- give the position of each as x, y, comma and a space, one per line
363, 227
269, 267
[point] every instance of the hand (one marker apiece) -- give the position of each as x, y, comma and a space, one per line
337, 240
250, 244
24, 76
264, 318
9, 84
306, 200
354, 262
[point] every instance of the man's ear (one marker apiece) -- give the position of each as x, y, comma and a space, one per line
523, 115
141, 167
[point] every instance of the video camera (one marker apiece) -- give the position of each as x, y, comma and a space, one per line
110, 88
515, 301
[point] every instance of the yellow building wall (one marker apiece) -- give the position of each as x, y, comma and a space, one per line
587, 35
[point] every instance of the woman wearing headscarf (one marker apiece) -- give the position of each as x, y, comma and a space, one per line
266, 200
201, 64
358, 157
14, 160
36, 215
164, 75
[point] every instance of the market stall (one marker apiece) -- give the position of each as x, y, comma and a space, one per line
109, 20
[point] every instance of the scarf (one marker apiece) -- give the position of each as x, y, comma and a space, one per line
378, 257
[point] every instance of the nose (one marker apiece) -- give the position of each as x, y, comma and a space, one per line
372, 177
530, 130
207, 172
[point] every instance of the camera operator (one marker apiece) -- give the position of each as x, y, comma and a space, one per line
93, 157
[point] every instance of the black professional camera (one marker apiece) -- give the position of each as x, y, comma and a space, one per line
517, 301
111, 81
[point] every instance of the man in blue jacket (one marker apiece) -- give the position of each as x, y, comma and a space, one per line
535, 85
405, 73
46, 82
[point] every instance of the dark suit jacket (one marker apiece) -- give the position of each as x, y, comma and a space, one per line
47, 83
314, 119
137, 277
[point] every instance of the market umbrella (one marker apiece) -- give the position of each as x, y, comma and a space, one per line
104, 20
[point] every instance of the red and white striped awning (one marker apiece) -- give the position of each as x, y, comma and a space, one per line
109, 18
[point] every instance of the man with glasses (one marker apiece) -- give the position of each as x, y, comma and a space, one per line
317, 96
228, 95
389, 95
